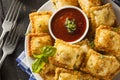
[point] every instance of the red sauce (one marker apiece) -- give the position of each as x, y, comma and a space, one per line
58, 24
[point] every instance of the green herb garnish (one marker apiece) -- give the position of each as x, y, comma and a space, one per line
92, 44
70, 25
42, 58
116, 29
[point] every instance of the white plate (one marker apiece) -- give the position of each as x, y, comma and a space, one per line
48, 6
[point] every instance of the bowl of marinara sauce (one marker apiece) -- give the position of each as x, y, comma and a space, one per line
69, 24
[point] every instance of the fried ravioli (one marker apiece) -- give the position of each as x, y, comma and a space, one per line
48, 72
61, 3
87, 4
37, 41
101, 66
102, 15
65, 74
39, 21
67, 55
107, 40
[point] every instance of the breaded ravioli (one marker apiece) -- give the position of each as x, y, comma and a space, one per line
39, 21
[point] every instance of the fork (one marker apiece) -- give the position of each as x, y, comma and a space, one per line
10, 43
11, 18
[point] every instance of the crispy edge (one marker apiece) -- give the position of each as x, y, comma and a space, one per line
83, 42
101, 7
65, 43
68, 2
98, 46
52, 59
83, 7
48, 72
31, 17
97, 2
59, 70
97, 33
108, 77
29, 36
92, 9
54, 4
83, 66
79, 73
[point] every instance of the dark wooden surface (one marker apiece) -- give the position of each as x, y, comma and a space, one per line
9, 70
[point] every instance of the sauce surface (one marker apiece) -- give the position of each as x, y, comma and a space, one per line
58, 24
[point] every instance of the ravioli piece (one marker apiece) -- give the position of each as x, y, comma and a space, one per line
39, 21
107, 40
101, 66
84, 45
37, 41
87, 4
61, 3
64, 74
102, 15
67, 55
48, 72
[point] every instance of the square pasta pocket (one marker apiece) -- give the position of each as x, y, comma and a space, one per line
102, 15
67, 55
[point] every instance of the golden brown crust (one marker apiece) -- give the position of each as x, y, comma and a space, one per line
84, 45
68, 74
61, 3
37, 41
39, 21
58, 71
102, 15
107, 40
101, 66
87, 4
48, 72
67, 55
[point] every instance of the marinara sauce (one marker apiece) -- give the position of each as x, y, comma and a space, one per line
58, 24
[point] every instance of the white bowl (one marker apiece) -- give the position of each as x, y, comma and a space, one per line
61, 14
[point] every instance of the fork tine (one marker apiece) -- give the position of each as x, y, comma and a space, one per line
12, 35
7, 15
16, 16
12, 10
16, 40
18, 12
15, 10
9, 36
19, 29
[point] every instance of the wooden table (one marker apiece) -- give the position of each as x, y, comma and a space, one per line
9, 70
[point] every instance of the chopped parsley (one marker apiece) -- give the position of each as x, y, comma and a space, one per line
92, 44
70, 25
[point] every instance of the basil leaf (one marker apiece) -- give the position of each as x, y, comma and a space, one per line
48, 51
42, 58
37, 55
35, 65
